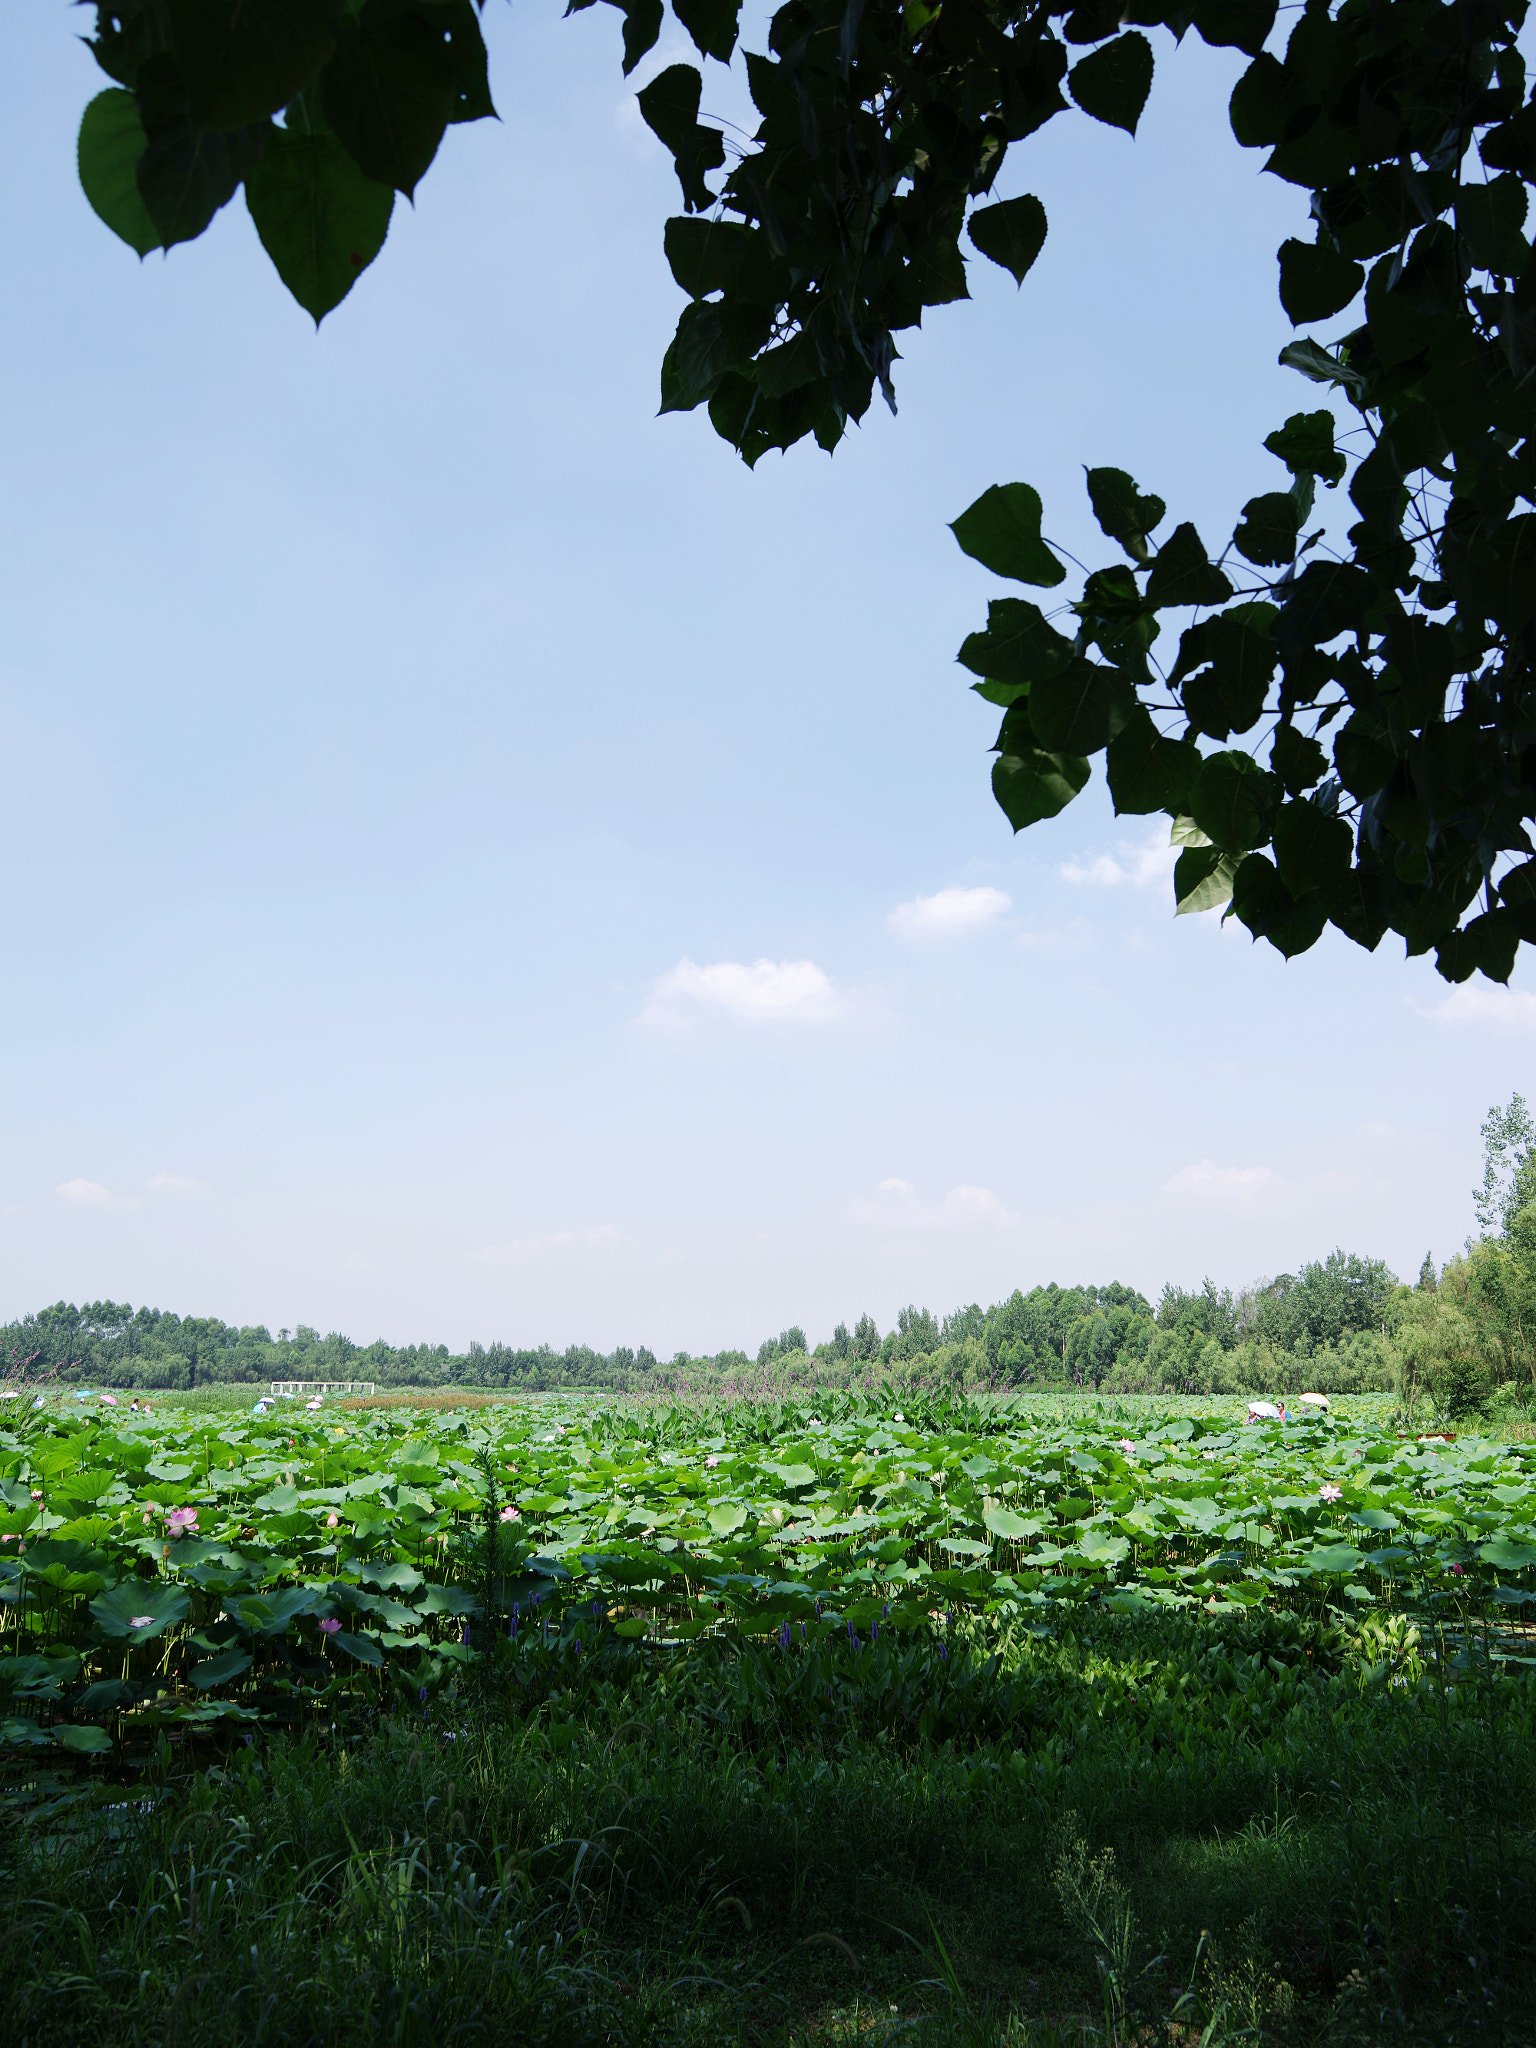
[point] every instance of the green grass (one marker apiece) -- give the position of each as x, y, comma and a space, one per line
1296, 1830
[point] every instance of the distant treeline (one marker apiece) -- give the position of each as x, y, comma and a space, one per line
1328, 1324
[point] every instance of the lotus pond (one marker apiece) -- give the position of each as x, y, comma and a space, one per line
164, 1577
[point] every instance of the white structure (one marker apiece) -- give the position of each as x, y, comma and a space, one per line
322, 1387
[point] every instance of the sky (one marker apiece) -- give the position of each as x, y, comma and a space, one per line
480, 862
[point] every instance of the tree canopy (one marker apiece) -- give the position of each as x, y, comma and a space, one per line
1346, 733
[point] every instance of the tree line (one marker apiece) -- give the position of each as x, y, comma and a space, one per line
1331, 1317
1343, 1324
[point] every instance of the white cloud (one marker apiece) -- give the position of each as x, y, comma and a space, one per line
175, 1184
1207, 1182
84, 1194
769, 991
1481, 1002
527, 1251
1152, 861
896, 1207
948, 913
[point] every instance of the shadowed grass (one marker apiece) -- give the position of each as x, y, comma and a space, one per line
671, 1851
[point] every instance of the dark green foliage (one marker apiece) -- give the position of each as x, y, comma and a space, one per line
368, 92
1415, 653
1326, 1302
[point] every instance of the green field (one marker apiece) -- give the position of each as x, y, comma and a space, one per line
970, 1719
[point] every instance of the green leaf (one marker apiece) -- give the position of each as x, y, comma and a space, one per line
1147, 771
726, 1519
320, 219
1311, 848
708, 255
242, 59
84, 1741
1018, 648
711, 23
1334, 1558
1233, 801
1269, 910
187, 171
1305, 445
1512, 145
1266, 534
1258, 106
1316, 282
1299, 762
1030, 784
1202, 879
709, 339
397, 1577
1319, 365
451, 1600
1233, 656
1002, 532
1489, 217
1011, 1527
211, 1671
1235, 24
1012, 233
1487, 945
1506, 1554
111, 142
396, 81
363, 1648
1122, 511
1113, 83
1182, 573
139, 1609
669, 106
1081, 709
1363, 759
1326, 599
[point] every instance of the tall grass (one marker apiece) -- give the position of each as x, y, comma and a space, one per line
1244, 1830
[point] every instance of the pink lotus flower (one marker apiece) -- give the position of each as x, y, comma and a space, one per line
1126, 1444
1329, 1491
711, 1461
510, 1514
1456, 1568
331, 1628
332, 1521
141, 1621
180, 1520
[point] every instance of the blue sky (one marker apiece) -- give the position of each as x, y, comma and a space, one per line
479, 862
